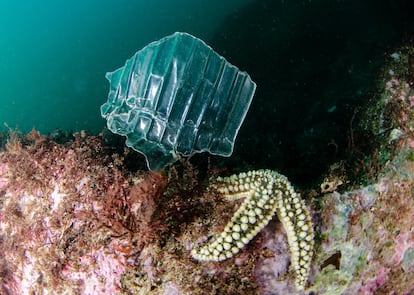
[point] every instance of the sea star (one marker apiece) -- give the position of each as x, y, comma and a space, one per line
265, 193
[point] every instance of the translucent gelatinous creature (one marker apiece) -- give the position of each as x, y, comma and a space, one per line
177, 96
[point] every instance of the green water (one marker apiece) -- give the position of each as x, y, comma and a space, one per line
54, 54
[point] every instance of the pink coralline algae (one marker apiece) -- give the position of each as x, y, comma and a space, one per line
75, 220
67, 216
105, 281
372, 229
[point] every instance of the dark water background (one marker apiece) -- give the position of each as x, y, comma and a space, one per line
315, 62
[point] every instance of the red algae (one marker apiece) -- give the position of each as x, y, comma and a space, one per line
74, 219
70, 214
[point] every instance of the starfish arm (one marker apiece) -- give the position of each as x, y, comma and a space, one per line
253, 214
234, 187
265, 193
296, 220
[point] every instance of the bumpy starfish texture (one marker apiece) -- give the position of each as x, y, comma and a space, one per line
265, 193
